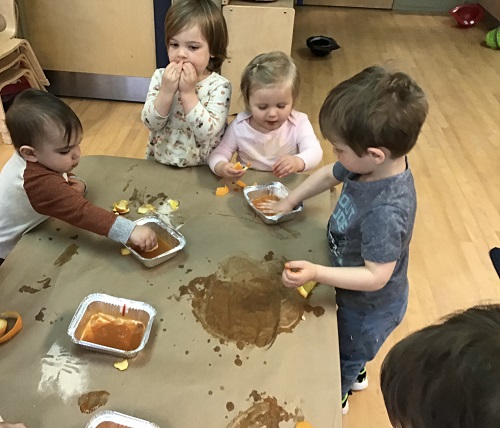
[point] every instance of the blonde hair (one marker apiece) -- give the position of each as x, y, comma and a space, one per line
375, 108
269, 69
185, 14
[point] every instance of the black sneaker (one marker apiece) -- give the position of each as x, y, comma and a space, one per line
361, 381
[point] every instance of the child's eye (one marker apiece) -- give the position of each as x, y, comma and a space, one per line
194, 48
281, 106
261, 107
173, 45
64, 152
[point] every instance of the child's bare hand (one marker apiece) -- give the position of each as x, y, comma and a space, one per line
77, 185
188, 79
171, 77
297, 273
226, 170
288, 165
144, 238
275, 207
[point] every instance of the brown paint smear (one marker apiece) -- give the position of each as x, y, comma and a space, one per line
92, 401
40, 316
245, 302
67, 254
266, 413
27, 289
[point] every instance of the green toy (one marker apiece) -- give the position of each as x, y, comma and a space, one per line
493, 39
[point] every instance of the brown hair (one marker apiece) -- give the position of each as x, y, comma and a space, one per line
375, 108
32, 112
269, 69
184, 14
448, 374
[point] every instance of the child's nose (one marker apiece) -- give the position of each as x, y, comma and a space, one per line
273, 112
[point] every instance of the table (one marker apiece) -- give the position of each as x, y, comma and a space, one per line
185, 376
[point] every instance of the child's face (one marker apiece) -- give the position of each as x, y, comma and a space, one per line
351, 161
56, 154
190, 46
270, 107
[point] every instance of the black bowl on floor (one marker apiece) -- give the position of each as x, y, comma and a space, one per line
321, 45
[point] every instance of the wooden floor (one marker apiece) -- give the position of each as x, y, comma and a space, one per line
456, 162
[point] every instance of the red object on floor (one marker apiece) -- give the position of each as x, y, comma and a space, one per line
468, 14
10, 91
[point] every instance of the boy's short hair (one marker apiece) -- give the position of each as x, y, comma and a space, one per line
268, 69
448, 374
184, 14
375, 108
32, 112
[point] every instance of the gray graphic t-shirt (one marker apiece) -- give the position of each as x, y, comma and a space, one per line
373, 221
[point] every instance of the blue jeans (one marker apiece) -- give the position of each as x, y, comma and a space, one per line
361, 334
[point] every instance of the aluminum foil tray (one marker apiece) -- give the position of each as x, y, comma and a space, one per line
173, 238
275, 188
111, 419
114, 306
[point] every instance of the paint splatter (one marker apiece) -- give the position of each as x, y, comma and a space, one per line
269, 256
40, 315
32, 290
62, 374
245, 302
67, 255
92, 401
263, 413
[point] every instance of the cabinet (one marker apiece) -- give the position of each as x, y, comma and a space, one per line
254, 28
492, 6
93, 48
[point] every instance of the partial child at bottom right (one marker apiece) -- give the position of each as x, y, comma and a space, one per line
447, 374
372, 120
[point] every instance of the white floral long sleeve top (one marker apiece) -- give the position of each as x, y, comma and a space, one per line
187, 140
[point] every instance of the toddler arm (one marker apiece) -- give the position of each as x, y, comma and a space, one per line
225, 150
209, 116
50, 194
370, 277
309, 148
150, 117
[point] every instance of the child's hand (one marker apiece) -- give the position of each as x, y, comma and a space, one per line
143, 237
297, 273
188, 79
275, 207
171, 77
77, 185
288, 165
226, 170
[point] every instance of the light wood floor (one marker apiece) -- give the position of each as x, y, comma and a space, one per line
456, 162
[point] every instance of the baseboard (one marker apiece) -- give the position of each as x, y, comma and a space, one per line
100, 86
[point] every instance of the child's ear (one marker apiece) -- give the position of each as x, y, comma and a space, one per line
378, 155
28, 153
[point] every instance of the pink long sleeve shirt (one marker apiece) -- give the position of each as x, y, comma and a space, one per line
295, 137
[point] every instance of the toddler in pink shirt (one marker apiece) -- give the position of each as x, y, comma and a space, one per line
270, 134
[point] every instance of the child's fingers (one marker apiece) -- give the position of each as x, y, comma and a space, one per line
294, 266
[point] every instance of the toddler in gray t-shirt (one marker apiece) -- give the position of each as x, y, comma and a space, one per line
372, 120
